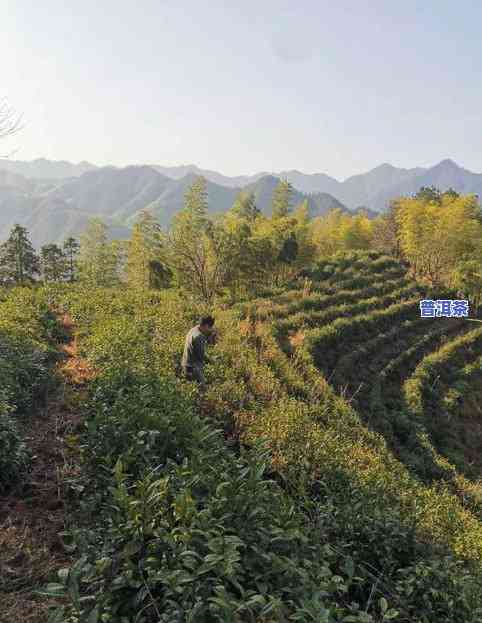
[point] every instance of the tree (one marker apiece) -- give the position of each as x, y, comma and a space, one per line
451, 194
280, 205
238, 254
357, 231
71, 251
277, 238
196, 202
338, 231
97, 257
326, 233
193, 245
429, 194
467, 278
435, 237
119, 250
18, 261
245, 206
53, 263
386, 232
146, 266
289, 251
303, 231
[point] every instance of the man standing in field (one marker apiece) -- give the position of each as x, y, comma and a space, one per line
193, 357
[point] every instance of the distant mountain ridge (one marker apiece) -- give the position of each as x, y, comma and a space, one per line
354, 191
373, 189
52, 210
367, 189
444, 175
178, 172
41, 168
55, 199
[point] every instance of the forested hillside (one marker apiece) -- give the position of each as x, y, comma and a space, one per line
55, 209
329, 471
55, 200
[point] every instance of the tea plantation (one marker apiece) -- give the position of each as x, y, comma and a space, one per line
329, 473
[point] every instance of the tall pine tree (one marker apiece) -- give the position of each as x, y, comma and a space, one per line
281, 202
245, 206
192, 249
18, 261
53, 263
71, 251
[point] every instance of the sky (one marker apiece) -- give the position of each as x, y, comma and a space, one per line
241, 87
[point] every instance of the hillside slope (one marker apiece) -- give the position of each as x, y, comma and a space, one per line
305, 463
413, 380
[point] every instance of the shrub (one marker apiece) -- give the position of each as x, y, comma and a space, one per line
23, 370
14, 456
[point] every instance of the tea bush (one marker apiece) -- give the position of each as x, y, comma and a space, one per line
433, 397
332, 412
415, 449
319, 300
418, 388
28, 328
14, 456
314, 317
326, 344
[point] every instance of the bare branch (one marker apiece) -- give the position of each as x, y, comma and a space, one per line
10, 121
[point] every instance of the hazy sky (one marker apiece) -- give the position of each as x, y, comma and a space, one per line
337, 86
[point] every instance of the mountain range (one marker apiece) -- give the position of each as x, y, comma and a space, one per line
53, 209
55, 199
373, 189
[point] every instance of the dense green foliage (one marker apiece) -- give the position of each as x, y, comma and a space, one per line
304, 515
13, 452
306, 484
27, 329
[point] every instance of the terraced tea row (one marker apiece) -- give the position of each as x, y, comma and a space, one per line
313, 318
382, 363
432, 394
385, 391
419, 389
354, 264
284, 425
328, 343
362, 367
296, 300
329, 282
366, 342
319, 300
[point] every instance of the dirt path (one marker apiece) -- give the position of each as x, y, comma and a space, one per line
32, 519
